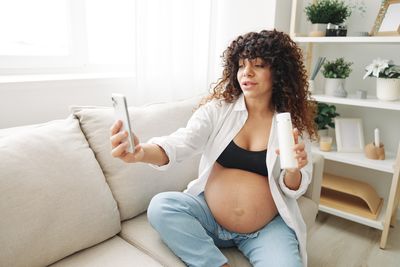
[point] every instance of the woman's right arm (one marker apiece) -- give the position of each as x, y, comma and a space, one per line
147, 153
175, 147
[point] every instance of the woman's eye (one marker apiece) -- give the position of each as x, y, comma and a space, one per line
260, 65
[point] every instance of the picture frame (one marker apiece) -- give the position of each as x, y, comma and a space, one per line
349, 134
387, 21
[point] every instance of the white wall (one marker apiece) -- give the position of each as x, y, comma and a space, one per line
282, 15
232, 18
36, 102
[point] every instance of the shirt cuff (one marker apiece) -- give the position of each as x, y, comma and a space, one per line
293, 193
161, 143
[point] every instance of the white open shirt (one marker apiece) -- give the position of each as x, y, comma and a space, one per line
209, 131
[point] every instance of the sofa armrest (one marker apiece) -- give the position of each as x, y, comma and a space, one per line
314, 189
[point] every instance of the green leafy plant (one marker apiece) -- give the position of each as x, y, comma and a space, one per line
325, 115
337, 69
328, 11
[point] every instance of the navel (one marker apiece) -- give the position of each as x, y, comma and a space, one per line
238, 211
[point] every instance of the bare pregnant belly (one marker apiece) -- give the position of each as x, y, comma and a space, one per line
239, 200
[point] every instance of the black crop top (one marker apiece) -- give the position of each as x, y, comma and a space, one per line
236, 157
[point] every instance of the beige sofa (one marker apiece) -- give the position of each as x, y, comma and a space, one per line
64, 201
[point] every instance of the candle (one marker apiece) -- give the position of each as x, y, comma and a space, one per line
377, 141
325, 143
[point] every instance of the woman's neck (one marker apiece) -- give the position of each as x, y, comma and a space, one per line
259, 107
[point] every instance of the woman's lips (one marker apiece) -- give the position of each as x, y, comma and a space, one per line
248, 84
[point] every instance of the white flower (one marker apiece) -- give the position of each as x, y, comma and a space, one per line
378, 65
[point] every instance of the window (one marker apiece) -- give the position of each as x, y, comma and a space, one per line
29, 29
66, 35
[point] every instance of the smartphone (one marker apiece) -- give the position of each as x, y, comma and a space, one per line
121, 113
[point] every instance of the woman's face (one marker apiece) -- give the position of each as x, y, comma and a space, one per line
254, 77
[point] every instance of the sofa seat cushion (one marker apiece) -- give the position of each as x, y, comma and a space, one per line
140, 233
54, 199
133, 185
110, 253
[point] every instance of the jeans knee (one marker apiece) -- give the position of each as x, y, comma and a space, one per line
154, 211
158, 208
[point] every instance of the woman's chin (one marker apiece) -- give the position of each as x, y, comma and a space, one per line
250, 93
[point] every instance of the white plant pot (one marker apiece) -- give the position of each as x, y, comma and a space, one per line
335, 87
317, 30
387, 89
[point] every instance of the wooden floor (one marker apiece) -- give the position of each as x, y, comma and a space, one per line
337, 242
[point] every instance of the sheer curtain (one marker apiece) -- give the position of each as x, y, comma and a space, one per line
172, 44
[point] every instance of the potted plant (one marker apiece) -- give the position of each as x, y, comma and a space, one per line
322, 12
335, 73
324, 118
388, 78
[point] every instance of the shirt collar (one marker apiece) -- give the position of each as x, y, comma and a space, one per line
240, 105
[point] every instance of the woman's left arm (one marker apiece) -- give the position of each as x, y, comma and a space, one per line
294, 182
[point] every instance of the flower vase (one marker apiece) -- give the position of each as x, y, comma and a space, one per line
387, 89
335, 87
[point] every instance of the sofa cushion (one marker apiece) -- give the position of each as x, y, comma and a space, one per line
139, 232
110, 253
54, 200
133, 185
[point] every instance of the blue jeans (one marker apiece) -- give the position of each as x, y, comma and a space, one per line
186, 225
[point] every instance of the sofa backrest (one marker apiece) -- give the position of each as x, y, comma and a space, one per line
54, 199
133, 185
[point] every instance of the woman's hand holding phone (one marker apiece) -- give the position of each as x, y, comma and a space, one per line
119, 144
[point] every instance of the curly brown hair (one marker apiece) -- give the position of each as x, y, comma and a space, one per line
289, 87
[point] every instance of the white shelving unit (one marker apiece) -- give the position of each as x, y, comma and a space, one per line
349, 40
359, 159
377, 224
370, 102
391, 164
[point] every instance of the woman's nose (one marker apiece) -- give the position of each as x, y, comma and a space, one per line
248, 71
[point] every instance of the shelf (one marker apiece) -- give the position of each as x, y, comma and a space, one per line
358, 159
370, 102
377, 224
350, 39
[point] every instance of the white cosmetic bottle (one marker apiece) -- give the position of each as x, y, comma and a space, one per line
286, 141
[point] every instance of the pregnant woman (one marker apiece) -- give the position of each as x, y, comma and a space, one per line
241, 197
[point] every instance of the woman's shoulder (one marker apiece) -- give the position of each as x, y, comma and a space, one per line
214, 110
215, 104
